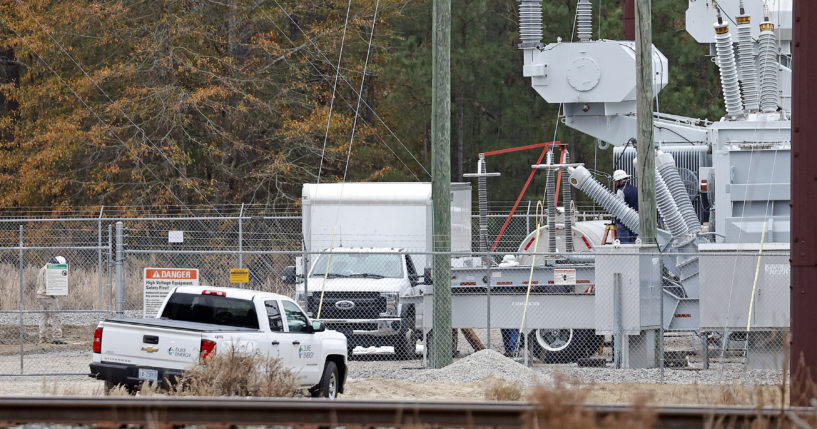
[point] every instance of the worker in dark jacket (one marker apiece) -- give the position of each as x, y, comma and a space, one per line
627, 192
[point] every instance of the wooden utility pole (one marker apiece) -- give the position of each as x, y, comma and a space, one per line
441, 180
803, 205
645, 168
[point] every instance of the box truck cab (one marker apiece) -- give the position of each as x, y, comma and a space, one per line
358, 291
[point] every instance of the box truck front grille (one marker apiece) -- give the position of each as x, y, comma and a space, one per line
366, 305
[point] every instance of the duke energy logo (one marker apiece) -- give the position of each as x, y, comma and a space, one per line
305, 352
178, 352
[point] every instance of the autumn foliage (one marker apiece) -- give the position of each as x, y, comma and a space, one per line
187, 102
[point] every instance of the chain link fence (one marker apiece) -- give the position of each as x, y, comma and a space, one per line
616, 308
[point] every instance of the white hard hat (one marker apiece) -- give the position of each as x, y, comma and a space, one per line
620, 175
58, 260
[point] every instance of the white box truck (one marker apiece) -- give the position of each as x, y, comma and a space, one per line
385, 215
377, 232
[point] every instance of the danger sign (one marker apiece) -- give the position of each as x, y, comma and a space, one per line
159, 282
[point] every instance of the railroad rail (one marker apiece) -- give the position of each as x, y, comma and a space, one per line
150, 411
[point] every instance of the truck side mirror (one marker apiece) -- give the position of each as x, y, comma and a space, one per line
289, 275
427, 278
318, 326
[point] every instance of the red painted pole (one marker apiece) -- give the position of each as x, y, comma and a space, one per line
628, 16
803, 204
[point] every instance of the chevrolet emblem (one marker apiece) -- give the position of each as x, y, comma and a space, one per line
150, 349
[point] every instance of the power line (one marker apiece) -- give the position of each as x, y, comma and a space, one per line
326, 60
334, 89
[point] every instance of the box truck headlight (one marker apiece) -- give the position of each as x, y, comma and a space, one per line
391, 303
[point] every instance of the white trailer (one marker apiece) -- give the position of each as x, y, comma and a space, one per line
386, 215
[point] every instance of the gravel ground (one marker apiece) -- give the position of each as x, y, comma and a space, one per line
367, 364
486, 363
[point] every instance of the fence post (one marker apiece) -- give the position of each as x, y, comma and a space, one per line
120, 255
109, 286
618, 343
657, 263
241, 237
22, 305
489, 261
99, 258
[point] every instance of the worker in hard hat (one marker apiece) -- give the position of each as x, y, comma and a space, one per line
627, 192
50, 324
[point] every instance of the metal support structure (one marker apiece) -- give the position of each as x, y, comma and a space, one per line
803, 205
441, 180
647, 225
482, 190
120, 274
22, 305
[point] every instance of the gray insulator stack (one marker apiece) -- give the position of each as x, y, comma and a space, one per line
767, 59
567, 198
665, 164
667, 208
550, 204
483, 207
582, 179
530, 24
584, 20
748, 74
729, 72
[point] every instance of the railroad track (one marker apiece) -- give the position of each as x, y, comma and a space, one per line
115, 411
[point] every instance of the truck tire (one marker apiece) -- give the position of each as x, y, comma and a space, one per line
328, 386
405, 345
430, 347
563, 345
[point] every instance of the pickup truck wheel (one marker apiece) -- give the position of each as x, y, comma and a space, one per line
328, 387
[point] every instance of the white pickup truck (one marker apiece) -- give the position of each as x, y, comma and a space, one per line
194, 322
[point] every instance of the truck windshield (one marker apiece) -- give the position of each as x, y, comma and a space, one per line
369, 265
211, 309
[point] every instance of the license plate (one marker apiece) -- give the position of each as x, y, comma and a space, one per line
148, 374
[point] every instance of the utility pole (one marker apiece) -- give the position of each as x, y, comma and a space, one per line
803, 205
441, 180
645, 169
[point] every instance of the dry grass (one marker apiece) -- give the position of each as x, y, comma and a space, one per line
231, 374
83, 288
498, 389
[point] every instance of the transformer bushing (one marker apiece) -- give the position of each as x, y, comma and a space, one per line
748, 74
550, 204
665, 164
567, 198
667, 208
584, 20
729, 73
767, 59
530, 24
582, 179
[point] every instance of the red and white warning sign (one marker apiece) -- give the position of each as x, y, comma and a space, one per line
159, 282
